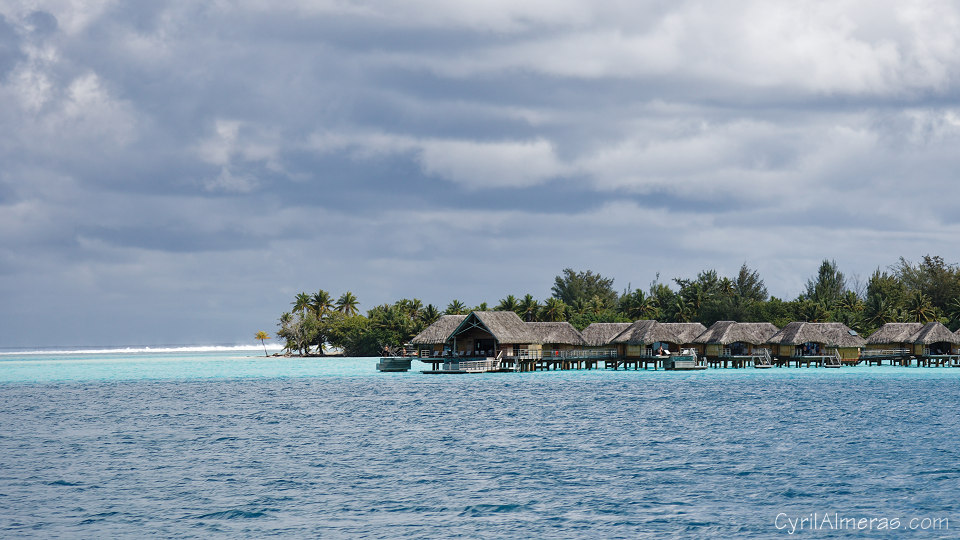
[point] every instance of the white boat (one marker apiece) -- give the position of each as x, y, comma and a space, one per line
687, 360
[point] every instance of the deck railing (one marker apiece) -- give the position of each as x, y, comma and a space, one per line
871, 353
556, 354
490, 364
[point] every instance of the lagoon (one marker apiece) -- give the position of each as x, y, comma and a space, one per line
225, 443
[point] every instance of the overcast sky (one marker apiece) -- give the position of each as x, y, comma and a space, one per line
175, 172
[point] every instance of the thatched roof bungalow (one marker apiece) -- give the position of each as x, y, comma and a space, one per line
934, 339
483, 332
730, 338
894, 335
602, 334
644, 338
799, 339
915, 338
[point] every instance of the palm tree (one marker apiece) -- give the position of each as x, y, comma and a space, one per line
321, 302
302, 302
881, 311
637, 305
684, 311
507, 304
528, 308
261, 335
919, 308
347, 304
429, 315
456, 307
850, 302
554, 310
411, 307
953, 312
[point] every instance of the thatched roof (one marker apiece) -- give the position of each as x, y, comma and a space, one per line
686, 332
830, 334
727, 332
894, 332
599, 334
439, 331
561, 333
647, 332
934, 332
505, 326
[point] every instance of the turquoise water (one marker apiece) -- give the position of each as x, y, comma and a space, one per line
228, 444
171, 366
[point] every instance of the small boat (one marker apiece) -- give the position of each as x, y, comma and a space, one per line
394, 364
685, 361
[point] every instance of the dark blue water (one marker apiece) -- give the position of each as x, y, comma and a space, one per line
598, 454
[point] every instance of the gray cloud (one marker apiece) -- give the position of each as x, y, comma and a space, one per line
175, 172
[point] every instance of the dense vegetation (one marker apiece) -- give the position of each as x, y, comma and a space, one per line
921, 292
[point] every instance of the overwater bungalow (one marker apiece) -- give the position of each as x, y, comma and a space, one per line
826, 344
647, 339
499, 340
891, 342
432, 341
645, 342
936, 345
737, 343
482, 333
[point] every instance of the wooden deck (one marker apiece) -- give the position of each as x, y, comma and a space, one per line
607, 358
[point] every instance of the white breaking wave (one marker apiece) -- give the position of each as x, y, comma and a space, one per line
144, 350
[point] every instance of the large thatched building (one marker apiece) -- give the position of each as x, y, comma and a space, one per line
484, 333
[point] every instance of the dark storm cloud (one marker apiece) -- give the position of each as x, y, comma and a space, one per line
218, 158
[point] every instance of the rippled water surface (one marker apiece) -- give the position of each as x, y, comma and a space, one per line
218, 444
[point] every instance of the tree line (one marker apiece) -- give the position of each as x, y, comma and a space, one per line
928, 290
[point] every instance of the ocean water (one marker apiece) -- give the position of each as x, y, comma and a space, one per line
225, 444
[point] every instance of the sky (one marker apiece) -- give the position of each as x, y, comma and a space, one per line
174, 172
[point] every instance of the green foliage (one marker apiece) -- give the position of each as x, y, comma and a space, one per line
529, 309
347, 303
828, 286
583, 287
321, 302
937, 280
508, 304
456, 307
300, 330
636, 305
554, 310
583, 320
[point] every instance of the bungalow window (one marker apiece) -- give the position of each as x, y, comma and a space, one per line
808, 349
